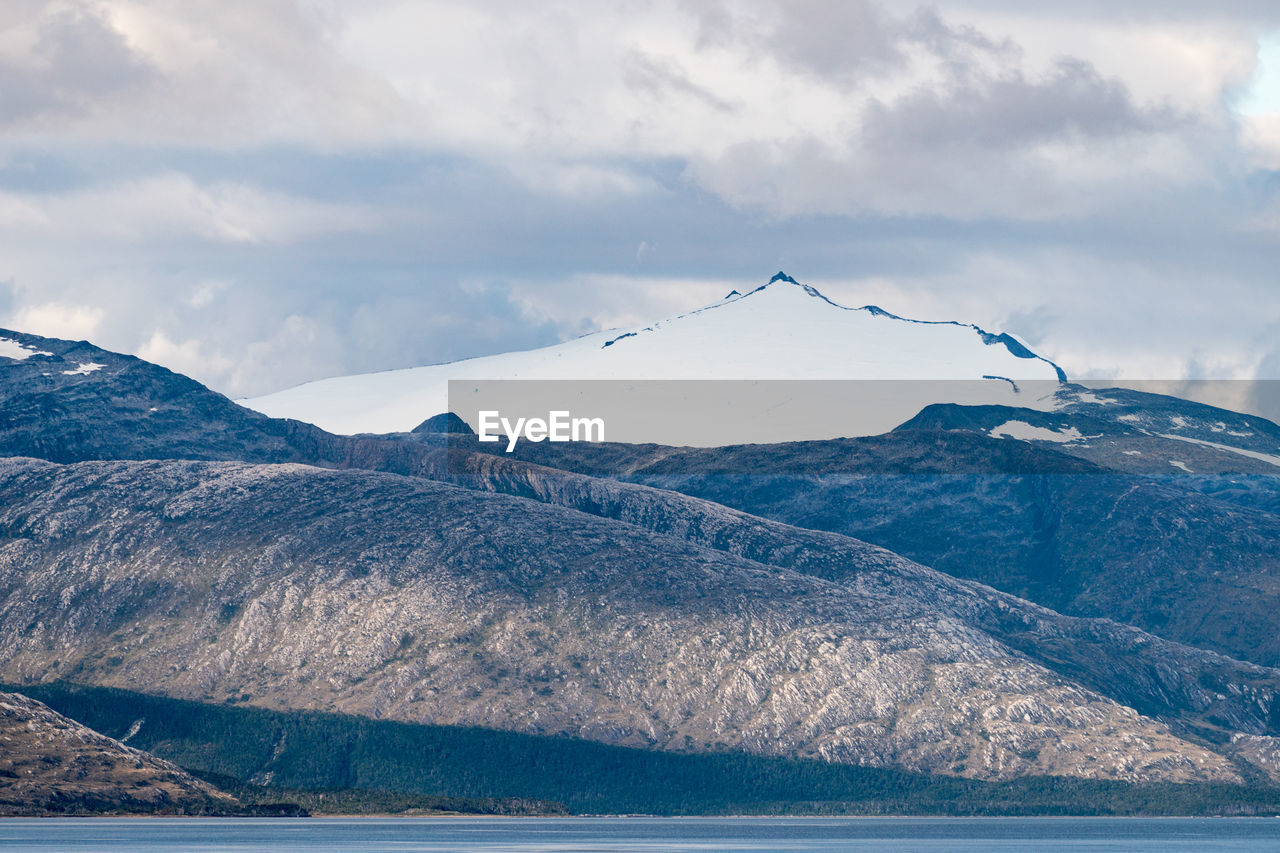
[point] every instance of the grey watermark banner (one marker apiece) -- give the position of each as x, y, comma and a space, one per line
1168, 428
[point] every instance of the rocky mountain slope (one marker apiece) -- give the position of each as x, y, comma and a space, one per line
1227, 455
52, 765
1160, 677
69, 400
1029, 518
401, 598
1127, 430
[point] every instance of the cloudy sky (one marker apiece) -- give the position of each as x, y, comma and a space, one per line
263, 192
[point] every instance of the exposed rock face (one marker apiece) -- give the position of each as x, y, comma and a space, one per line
445, 423
52, 765
415, 600
1129, 430
1260, 751
1035, 521
55, 407
1202, 689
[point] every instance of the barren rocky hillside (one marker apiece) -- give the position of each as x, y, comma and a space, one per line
395, 597
52, 765
1035, 521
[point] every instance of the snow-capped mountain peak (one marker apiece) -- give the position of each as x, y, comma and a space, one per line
781, 330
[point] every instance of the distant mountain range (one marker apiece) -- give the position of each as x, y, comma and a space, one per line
996, 593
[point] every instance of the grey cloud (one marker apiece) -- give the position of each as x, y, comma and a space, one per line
957, 42
390, 325
78, 59
842, 39
824, 37
662, 76
830, 37
968, 146
1269, 368
971, 143
1033, 325
1008, 111
714, 21
1249, 12
277, 324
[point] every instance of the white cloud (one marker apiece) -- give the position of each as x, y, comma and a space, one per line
171, 204
58, 320
191, 357
582, 181
206, 292
1096, 318
590, 302
236, 73
1260, 136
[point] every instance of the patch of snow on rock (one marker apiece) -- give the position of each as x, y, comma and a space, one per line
1024, 431
1078, 396
16, 351
84, 369
1226, 448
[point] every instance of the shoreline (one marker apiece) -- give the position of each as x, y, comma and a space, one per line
595, 817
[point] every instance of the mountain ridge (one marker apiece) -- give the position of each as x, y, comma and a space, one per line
780, 330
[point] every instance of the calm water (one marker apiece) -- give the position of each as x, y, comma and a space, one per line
638, 835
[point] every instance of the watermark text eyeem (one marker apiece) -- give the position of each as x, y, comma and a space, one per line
558, 426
